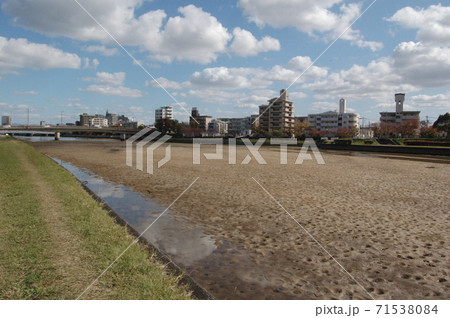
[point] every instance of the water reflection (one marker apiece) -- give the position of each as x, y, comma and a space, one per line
224, 270
184, 242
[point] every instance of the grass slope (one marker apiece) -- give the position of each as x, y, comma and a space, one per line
56, 240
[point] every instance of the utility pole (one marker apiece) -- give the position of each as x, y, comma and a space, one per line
28, 118
61, 118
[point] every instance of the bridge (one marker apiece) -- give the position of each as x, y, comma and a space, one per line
70, 131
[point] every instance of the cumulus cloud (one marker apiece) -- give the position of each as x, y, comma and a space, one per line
90, 64
194, 35
167, 84
310, 16
114, 91
245, 44
111, 84
25, 93
238, 78
438, 100
422, 65
108, 78
411, 67
433, 23
101, 49
20, 53
324, 106
230, 78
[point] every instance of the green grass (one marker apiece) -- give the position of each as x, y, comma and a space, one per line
31, 262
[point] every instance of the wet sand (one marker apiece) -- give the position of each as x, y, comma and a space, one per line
386, 221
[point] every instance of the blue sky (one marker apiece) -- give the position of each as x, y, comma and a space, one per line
224, 57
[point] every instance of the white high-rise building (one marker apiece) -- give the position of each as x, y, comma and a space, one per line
342, 106
164, 112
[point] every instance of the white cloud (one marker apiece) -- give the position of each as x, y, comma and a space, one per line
167, 84
25, 93
411, 67
424, 66
114, 91
433, 23
230, 78
111, 84
310, 16
324, 106
245, 44
101, 49
194, 35
90, 64
108, 78
20, 53
219, 79
438, 100
197, 36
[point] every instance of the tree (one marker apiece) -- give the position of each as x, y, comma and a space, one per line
443, 123
257, 131
277, 133
408, 127
165, 125
386, 129
301, 128
429, 132
376, 130
346, 132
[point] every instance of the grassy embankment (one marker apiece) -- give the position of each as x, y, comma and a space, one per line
55, 239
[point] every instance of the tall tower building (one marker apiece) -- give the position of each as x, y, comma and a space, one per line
399, 99
342, 106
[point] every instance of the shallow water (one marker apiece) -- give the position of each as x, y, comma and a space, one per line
224, 270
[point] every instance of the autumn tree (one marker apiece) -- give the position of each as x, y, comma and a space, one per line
300, 129
408, 127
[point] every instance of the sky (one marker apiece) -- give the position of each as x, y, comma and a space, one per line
61, 58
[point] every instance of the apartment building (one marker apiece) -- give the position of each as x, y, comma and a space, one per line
332, 121
98, 122
198, 121
218, 127
278, 114
399, 116
164, 112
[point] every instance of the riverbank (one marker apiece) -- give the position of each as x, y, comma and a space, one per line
56, 239
385, 220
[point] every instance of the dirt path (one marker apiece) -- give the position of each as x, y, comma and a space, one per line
72, 273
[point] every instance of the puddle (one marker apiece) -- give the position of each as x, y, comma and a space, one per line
224, 270
184, 243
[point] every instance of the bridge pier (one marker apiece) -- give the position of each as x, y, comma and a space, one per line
57, 135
